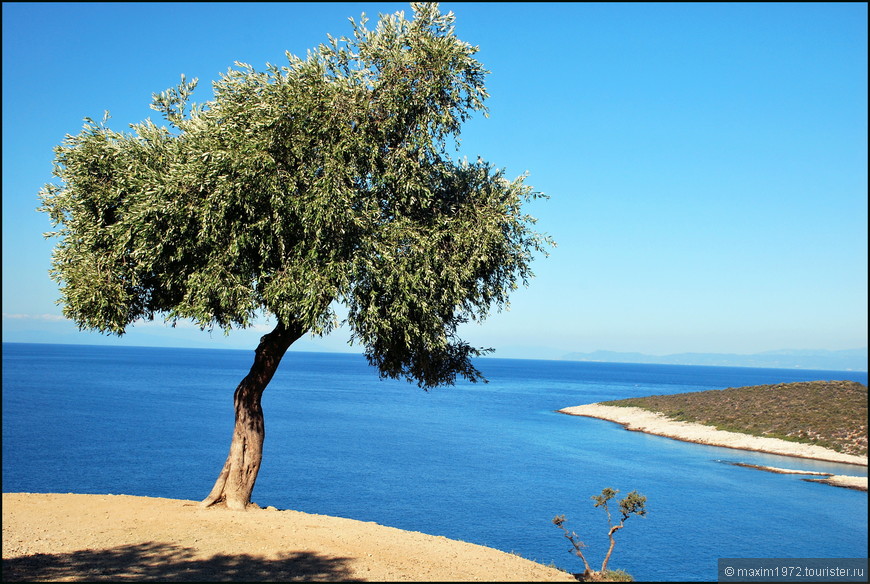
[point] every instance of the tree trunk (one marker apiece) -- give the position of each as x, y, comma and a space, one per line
613, 530
235, 483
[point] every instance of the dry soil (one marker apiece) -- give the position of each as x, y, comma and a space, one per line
70, 537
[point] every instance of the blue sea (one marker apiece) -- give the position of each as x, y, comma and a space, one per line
490, 464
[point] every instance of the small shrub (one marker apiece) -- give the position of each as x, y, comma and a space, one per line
632, 504
617, 576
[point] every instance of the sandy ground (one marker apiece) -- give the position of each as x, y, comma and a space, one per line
640, 420
68, 537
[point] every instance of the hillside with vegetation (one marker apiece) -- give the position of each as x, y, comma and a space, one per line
832, 414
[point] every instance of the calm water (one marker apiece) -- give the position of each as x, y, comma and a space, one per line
486, 463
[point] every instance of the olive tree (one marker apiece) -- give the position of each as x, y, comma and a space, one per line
632, 504
323, 183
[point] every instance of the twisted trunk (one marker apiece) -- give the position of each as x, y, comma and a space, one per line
613, 530
235, 483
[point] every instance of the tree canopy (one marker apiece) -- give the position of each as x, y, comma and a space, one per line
326, 181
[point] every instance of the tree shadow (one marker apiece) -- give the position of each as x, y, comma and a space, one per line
167, 562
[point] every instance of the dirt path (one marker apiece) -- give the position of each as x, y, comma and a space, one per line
68, 537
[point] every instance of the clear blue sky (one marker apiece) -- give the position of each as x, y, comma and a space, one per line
706, 163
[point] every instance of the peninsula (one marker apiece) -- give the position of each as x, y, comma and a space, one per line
821, 420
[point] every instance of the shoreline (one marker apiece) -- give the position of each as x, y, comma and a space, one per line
649, 422
849, 482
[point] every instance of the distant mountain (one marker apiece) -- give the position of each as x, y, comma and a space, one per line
847, 360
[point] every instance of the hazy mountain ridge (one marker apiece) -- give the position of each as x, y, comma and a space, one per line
845, 360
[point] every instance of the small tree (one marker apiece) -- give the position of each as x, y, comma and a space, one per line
632, 504
320, 183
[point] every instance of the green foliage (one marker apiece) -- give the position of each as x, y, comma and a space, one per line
606, 495
616, 576
633, 504
323, 181
832, 414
